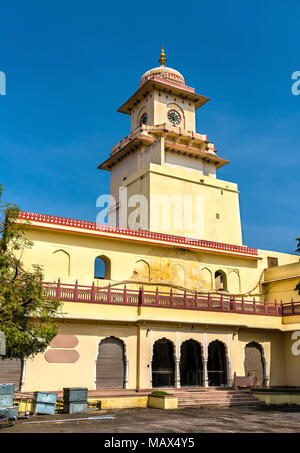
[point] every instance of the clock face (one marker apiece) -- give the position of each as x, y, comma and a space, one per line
144, 119
174, 117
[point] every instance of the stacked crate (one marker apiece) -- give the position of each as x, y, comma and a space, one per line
75, 400
45, 402
7, 408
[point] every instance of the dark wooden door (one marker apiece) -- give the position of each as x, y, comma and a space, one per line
110, 364
11, 372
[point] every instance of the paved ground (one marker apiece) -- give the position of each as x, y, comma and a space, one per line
189, 420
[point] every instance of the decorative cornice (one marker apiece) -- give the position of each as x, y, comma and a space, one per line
140, 235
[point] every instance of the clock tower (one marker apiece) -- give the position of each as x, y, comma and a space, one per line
172, 166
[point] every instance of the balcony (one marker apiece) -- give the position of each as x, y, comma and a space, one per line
157, 299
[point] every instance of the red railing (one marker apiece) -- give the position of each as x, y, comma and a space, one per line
130, 297
291, 308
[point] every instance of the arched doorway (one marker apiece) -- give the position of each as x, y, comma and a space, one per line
191, 364
163, 364
11, 372
254, 362
110, 367
216, 364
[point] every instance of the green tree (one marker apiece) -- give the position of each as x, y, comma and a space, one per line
27, 318
298, 250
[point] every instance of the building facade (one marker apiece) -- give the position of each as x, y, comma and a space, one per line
166, 295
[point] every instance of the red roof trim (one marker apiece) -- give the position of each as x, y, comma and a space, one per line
169, 239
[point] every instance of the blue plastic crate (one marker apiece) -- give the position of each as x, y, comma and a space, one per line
45, 397
7, 389
75, 394
6, 400
45, 408
75, 408
10, 412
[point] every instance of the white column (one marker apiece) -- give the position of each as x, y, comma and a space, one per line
205, 373
95, 374
265, 370
23, 374
150, 370
126, 373
177, 373
229, 379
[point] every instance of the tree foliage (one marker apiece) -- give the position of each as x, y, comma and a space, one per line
27, 318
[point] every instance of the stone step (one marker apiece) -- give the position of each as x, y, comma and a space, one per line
216, 397
248, 402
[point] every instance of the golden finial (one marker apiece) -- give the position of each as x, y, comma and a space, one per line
162, 59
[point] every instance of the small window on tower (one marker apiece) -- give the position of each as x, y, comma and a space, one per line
144, 119
272, 262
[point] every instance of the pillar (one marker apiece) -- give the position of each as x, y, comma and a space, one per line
229, 378
150, 371
95, 374
265, 370
126, 373
177, 373
205, 373
23, 375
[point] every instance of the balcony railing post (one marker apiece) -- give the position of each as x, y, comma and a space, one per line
222, 303
171, 298
254, 305
243, 305
281, 308
125, 295
196, 300
266, 306
276, 308
293, 306
184, 299
156, 296
76, 291
109, 294
209, 301
141, 296
233, 303
93, 293
58, 289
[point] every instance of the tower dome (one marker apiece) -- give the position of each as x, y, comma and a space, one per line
163, 72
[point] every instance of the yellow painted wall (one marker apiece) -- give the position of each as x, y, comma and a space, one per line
166, 264
282, 282
138, 346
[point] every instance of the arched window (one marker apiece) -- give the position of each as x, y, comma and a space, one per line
61, 263
220, 281
102, 267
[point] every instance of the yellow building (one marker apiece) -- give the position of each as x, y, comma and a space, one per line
166, 295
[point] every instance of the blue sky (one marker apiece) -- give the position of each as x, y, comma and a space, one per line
69, 65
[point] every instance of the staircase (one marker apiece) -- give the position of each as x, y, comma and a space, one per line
216, 397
